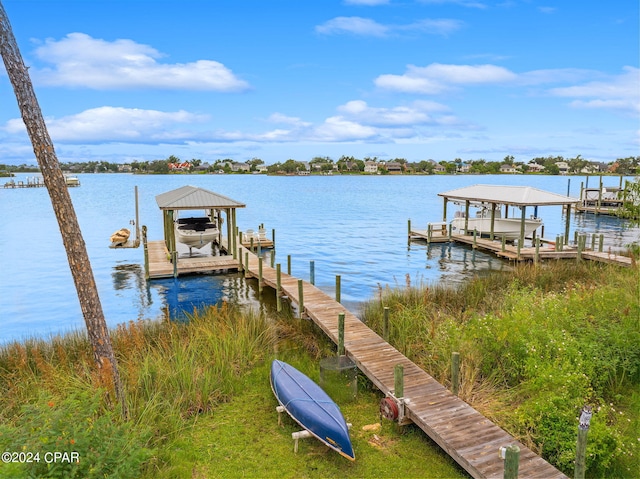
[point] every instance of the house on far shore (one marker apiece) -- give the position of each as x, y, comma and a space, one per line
393, 167
535, 167
563, 167
371, 167
508, 169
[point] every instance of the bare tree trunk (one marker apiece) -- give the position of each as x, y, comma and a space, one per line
63, 207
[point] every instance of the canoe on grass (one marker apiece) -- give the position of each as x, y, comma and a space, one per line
311, 407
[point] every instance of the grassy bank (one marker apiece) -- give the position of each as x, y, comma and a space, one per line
536, 345
200, 406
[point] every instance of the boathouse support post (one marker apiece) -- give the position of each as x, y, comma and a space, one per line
278, 288
511, 462
522, 220
338, 294
466, 216
312, 272
493, 221
567, 225
444, 211
581, 446
341, 334
300, 299
455, 372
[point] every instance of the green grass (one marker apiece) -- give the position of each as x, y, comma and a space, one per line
536, 345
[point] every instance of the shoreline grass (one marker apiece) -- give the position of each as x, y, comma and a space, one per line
536, 345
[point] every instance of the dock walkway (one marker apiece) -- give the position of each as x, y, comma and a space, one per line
547, 250
466, 435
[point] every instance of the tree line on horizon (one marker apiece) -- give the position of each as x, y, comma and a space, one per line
347, 164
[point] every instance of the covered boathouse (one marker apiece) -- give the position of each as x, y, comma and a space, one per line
161, 257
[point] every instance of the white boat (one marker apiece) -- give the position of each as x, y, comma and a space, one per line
509, 227
72, 180
196, 232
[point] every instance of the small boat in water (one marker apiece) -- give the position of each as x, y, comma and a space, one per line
311, 407
196, 232
120, 237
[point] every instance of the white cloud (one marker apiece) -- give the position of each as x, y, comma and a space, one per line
417, 113
368, 27
437, 77
82, 61
109, 124
355, 25
619, 92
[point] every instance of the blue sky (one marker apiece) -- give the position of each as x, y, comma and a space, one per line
278, 79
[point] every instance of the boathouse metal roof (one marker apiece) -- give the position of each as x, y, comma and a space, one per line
508, 195
194, 198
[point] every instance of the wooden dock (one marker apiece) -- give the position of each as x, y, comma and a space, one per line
160, 265
472, 440
547, 250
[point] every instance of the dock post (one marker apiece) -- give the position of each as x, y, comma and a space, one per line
450, 231
260, 275
475, 236
273, 237
385, 324
409, 231
537, 256
273, 257
504, 243
174, 260
600, 243
300, 298
593, 242
312, 272
146, 252
251, 244
581, 240
259, 248
338, 295
341, 334
398, 376
511, 462
240, 265
560, 245
455, 372
278, 288
288, 264
581, 446
519, 247
246, 264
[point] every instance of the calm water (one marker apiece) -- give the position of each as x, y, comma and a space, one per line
352, 226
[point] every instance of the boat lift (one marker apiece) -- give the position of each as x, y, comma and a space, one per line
127, 243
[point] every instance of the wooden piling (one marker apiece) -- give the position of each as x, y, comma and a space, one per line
312, 272
511, 462
385, 324
260, 282
338, 294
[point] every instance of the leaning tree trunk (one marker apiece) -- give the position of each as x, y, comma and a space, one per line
56, 185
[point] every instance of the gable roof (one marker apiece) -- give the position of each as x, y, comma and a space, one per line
194, 198
508, 195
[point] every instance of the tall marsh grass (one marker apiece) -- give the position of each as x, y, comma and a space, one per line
172, 372
536, 345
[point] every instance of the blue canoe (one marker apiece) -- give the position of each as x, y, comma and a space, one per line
311, 407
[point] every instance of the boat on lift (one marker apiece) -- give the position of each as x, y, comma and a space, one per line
510, 228
196, 232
